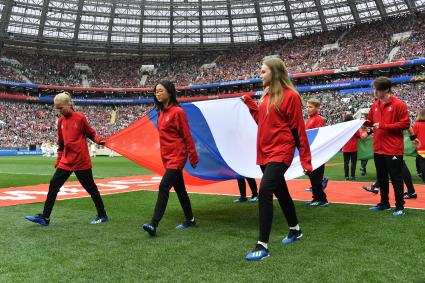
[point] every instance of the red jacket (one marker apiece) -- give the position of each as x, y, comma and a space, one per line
314, 121
393, 119
175, 138
73, 131
275, 141
351, 145
419, 130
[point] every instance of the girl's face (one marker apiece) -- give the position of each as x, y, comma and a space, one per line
311, 109
63, 108
381, 94
266, 75
162, 94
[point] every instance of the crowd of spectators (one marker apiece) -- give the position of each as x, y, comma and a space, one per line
45, 69
335, 105
64, 70
366, 43
414, 47
7, 73
182, 72
23, 124
114, 73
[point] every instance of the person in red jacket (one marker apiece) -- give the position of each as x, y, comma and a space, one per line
280, 130
349, 151
73, 156
318, 183
389, 117
176, 145
418, 140
363, 136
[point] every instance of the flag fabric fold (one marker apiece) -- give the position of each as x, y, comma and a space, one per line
225, 137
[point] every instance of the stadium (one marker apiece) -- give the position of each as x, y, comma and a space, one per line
110, 57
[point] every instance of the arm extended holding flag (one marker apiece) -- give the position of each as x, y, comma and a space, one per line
296, 123
216, 143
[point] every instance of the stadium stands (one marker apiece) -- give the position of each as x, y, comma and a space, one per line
31, 123
367, 43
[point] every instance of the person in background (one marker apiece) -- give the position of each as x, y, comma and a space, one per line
318, 183
407, 179
349, 151
363, 136
242, 190
93, 149
418, 140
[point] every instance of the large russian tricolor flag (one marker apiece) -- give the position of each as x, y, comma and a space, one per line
225, 135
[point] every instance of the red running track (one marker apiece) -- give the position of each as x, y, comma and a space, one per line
338, 192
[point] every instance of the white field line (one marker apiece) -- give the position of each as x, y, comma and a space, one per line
228, 195
44, 174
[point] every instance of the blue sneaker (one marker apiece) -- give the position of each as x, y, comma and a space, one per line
38, 219
239, 200
325, 183
380, 207
150, 229
258, 253
318, 203
399, 212
293, 235
309, 202
186, 224
99, 220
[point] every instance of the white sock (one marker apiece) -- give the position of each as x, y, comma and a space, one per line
263, 244
297, 227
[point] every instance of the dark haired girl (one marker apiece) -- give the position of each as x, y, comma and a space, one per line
176, 145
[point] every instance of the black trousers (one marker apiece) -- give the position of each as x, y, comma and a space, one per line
252, 185
172, 178
420, 163
347, 157
316, 178
393, 166
407, 179
273, 182
363, 164
85, 177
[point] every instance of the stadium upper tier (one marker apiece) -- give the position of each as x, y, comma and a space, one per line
396, 38
178, 25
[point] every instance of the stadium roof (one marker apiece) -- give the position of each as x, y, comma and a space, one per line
180, 24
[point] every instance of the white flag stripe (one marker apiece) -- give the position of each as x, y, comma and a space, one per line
235, 133
328, 142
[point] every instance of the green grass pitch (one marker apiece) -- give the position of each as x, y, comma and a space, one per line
342, 243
